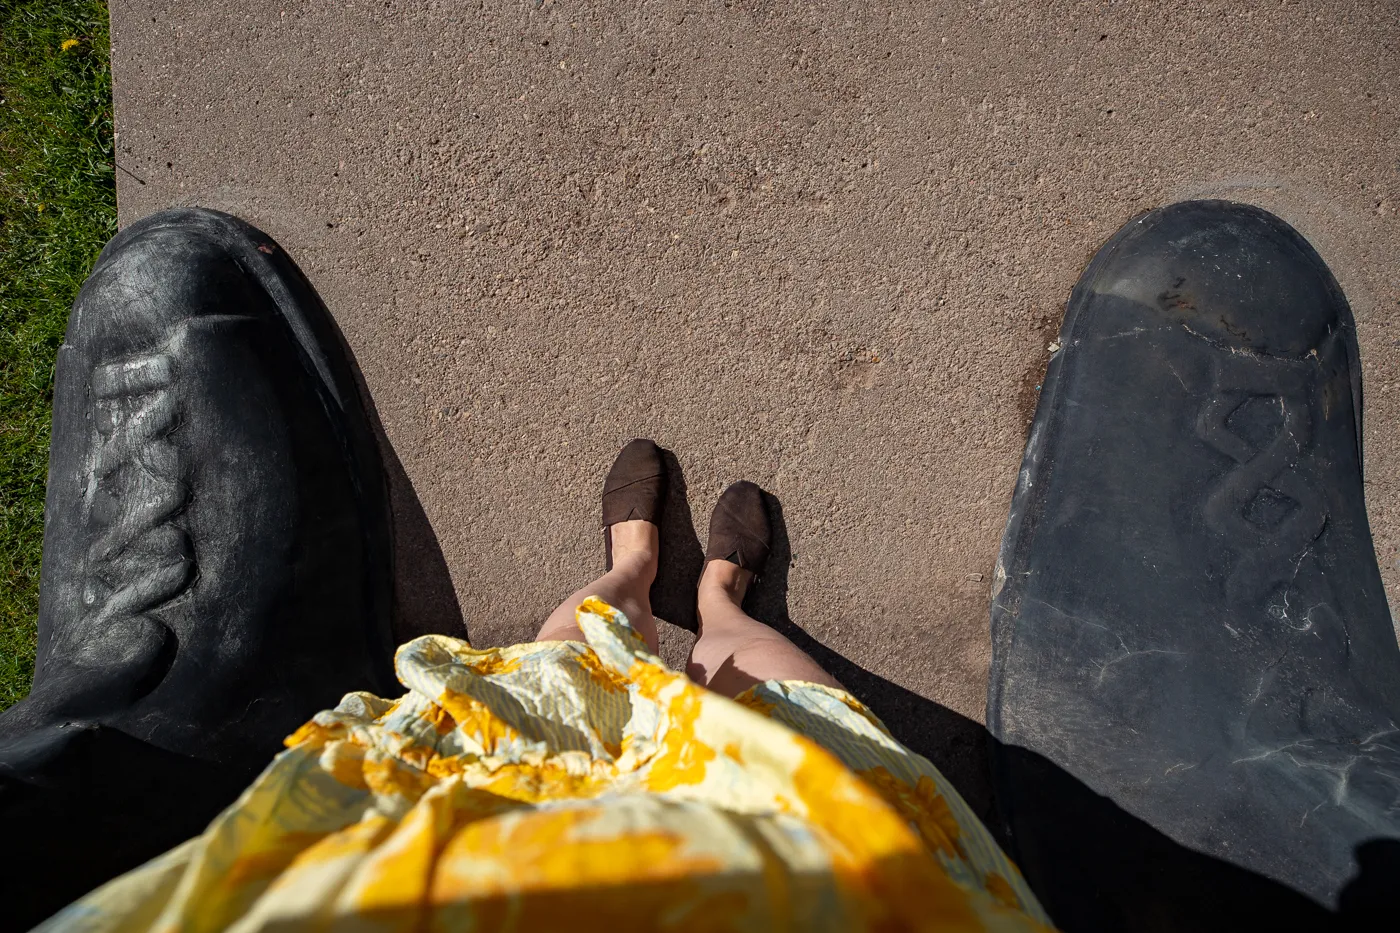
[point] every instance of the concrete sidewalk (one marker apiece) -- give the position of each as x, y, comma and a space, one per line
823, 247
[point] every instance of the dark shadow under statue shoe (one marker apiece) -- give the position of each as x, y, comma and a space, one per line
1187, 613
740, 531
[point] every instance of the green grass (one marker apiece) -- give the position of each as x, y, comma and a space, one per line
58, 205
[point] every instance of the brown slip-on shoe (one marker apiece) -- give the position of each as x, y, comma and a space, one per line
739, 528
635, 489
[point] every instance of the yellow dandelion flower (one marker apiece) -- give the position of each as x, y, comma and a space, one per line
68, 44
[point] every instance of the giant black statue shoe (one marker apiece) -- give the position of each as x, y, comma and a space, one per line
216, 561
1187, 615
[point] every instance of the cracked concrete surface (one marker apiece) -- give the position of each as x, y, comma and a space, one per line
823, 247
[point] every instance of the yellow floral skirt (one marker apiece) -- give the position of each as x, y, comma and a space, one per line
571, 786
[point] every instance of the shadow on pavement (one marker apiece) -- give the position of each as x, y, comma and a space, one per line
425, 602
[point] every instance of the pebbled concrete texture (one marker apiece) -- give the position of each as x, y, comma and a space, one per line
822, 246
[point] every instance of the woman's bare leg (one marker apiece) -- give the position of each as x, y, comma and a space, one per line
735, 650
627, 586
